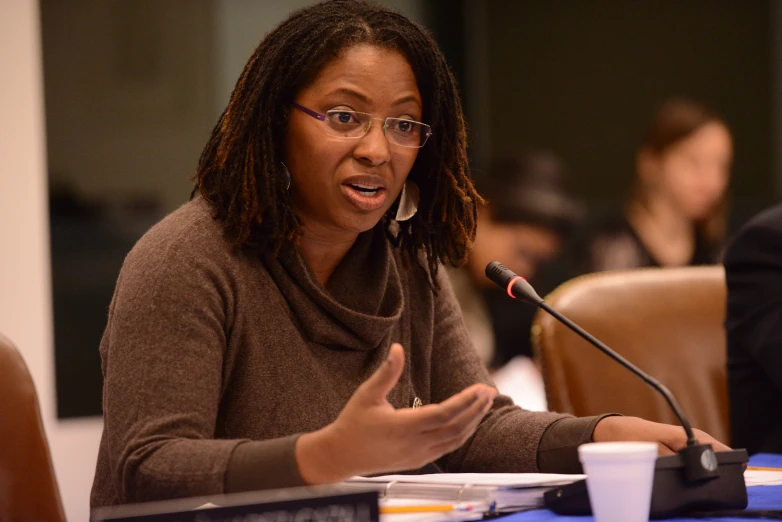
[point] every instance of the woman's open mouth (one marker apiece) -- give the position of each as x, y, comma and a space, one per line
364, 196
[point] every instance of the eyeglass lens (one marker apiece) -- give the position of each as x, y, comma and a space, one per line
351, 124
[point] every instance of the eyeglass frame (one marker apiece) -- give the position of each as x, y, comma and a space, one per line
322, 117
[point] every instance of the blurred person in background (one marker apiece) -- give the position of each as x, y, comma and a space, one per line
676, 216
530, 213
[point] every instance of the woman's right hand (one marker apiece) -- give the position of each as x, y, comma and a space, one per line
370, 436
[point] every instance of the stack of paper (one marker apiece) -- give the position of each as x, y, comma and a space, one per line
763, 477
501, 492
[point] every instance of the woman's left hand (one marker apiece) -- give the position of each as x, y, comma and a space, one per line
669, 438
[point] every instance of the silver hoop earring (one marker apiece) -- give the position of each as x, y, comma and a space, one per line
408, 201
287, 176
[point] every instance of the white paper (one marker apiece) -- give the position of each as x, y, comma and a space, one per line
511, 480
753, 477
521, 380
431, 517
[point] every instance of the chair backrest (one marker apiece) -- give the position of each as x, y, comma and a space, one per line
28, 489
668, 322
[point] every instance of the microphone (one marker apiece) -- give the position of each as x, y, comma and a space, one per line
705, 479
518, 287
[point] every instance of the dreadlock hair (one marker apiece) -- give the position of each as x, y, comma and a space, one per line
240, 173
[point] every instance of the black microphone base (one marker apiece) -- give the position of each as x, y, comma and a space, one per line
672, 494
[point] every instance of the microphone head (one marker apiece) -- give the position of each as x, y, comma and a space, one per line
495, 271
515, 285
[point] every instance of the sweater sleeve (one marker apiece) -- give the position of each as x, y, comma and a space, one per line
509, 439
163, 361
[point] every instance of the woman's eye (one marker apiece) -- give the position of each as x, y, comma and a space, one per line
344, 117
405, 127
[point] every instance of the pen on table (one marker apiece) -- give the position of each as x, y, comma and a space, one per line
430, 508
759, 468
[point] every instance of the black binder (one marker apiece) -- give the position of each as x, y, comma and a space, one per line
299, 504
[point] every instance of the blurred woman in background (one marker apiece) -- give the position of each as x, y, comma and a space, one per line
676, 216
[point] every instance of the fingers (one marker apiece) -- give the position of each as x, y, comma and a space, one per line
470, 415
675, 438
434, 416
704, 437
454, 434
379, 385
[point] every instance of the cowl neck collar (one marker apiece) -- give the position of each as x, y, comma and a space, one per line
361, 303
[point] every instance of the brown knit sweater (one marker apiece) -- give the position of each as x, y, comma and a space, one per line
214, 361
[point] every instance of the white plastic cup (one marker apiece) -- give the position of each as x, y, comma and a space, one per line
619, 479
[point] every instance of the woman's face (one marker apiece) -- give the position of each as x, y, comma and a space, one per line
693, 174
343, 185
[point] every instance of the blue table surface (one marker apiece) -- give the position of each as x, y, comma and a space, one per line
760, 497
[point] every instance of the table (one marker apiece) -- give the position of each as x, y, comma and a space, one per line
760, 497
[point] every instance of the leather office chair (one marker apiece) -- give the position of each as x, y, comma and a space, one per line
28, 489
668, 322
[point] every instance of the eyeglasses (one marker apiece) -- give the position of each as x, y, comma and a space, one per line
343, 123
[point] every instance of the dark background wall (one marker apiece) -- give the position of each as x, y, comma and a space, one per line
581, 78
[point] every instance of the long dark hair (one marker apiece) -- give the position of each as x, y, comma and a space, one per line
240, 173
